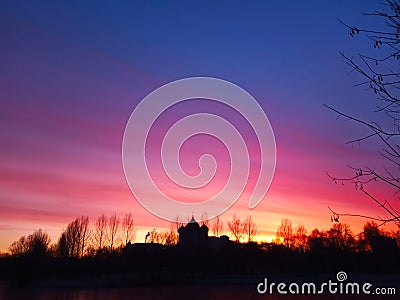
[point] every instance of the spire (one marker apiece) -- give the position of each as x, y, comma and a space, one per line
192, 220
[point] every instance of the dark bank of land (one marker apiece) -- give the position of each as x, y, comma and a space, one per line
199, 259
230, 264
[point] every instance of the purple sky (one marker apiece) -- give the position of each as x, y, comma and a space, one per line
71, 74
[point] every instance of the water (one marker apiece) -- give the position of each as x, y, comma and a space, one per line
163, 292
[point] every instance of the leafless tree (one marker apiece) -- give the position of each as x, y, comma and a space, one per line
38, 242
236, 228
100, 232
204, 219
113, 225
217, 226
154, 237
128, 228
84, 233
340, 236
177, 224
370, 232
170, 237
249, 228
300, 238
285, 232
19, 247
35, 244
380, 74
318, 240
73, 240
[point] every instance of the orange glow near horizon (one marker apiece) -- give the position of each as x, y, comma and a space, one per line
67, 92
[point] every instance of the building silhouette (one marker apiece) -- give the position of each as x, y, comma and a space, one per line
192, 234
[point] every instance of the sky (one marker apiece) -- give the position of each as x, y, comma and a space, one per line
72, 72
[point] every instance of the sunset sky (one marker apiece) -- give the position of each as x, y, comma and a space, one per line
72, 73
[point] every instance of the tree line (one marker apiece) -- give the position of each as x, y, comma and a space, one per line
111, 234
78, 239
102, 249
339, 237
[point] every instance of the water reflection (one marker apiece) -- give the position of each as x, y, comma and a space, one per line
167, 292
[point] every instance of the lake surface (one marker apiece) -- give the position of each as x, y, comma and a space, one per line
163, 292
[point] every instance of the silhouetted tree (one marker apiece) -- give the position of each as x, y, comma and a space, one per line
62, 248
396, 236
154, 237
19, 247
38, 242
177, 224
128, 228
380, 74
378, 241
217, 226
84, 233
249, 228
73, 240
170, 237
318, 240
370, 232
100, 232
35, 244
113, 225
204, 219
236, 228
300, 238
91, 251
341, 237
285, 231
